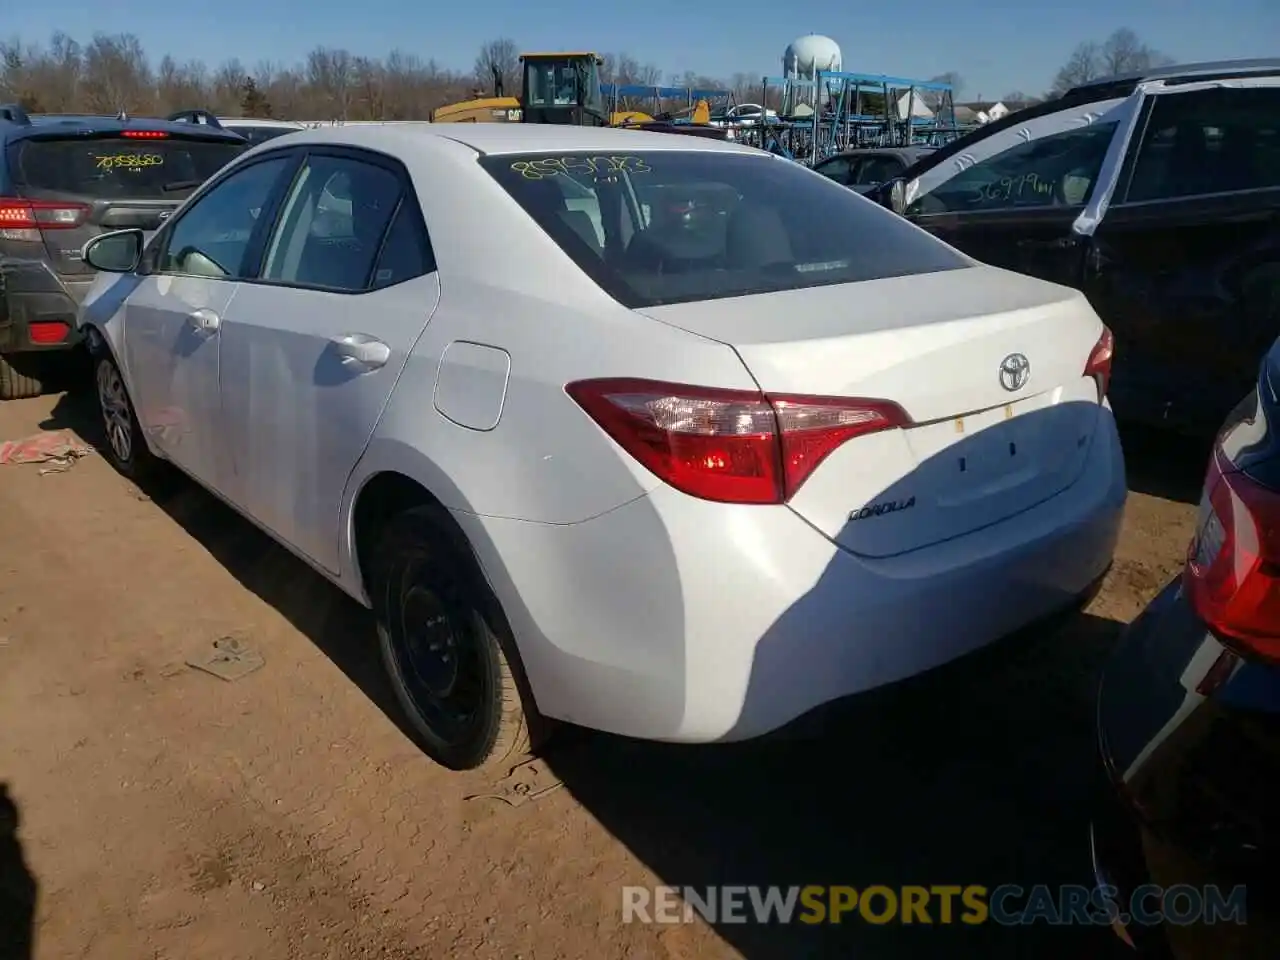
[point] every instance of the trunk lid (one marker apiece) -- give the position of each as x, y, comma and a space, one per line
940, 345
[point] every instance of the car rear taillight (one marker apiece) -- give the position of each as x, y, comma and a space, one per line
731, 446
144, 134
1232, 576
1100, 357
40, 215
47, 331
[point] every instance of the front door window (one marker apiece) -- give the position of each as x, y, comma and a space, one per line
1057, 170
213, 238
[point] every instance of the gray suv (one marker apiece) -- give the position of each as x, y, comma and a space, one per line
64, 180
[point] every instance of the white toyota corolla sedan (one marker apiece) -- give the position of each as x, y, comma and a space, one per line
655, 434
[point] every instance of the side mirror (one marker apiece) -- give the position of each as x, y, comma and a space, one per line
115, 252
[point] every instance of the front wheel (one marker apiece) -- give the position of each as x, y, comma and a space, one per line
125, 447
449, 669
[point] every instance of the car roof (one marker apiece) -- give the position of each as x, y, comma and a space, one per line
260, 122
89, 125
1185, 71
1105, 88
509, 138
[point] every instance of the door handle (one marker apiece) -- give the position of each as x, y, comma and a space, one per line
204, 321
361, 349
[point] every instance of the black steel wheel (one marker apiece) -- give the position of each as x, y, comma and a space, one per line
449, 669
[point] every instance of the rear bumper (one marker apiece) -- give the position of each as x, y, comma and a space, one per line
672, 618
31, 293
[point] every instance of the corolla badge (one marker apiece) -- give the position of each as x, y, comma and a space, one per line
1015, 371
883, 507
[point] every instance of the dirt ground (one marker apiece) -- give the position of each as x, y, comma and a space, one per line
165, 813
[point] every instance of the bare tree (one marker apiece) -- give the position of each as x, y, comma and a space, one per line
1084, 64
498, 59
19, 74
370, 83
228, 87
56, 74
1122, 52
626, 70
331, 77
181, 86
117, 75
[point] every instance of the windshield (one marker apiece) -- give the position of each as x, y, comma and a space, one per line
106, 168
675, 226
552, 85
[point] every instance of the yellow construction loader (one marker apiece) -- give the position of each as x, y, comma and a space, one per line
555, 88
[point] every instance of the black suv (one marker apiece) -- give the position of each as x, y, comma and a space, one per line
63, 180
1158, 195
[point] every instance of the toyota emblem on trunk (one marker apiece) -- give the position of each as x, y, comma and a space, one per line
164, 215
1015, 371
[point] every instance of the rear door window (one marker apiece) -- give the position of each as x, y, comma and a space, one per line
406, 251
674, 226
119, 168
1223, 140
332, 224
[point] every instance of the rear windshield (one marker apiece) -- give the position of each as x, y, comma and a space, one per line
678, 226
119, 168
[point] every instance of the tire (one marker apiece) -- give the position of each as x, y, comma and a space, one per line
17, 381
125, 447
450, 670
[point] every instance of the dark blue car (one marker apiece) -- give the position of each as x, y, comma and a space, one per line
1189, 720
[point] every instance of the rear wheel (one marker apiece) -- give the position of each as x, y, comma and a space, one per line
18, 377
449, 663
125, 447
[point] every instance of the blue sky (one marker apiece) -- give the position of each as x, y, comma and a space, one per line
996, 45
